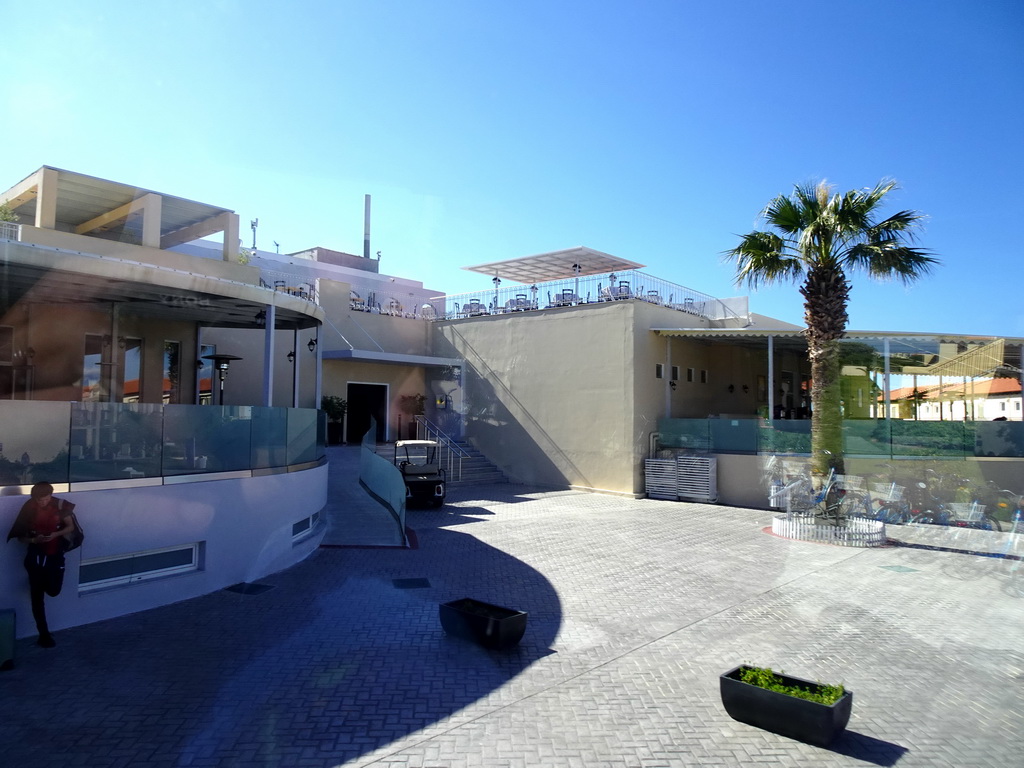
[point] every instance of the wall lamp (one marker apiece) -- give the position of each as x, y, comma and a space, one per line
291, 356
311, 345
261, 318
673, 385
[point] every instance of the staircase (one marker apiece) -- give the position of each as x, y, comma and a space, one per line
468, 465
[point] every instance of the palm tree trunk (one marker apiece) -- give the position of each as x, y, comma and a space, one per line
826, 292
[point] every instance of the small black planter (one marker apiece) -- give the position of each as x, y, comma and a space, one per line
800, 719
492, 626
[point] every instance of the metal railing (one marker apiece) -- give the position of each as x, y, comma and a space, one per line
451, 453
588, 290
10, 231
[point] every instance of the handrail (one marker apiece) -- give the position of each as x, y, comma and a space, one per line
450, 450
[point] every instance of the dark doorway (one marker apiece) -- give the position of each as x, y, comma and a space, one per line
366, 401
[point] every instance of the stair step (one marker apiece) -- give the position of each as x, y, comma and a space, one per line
476, 468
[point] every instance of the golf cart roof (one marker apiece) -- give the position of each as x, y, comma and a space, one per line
414, 443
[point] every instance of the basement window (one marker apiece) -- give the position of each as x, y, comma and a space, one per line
305, 527
104, 572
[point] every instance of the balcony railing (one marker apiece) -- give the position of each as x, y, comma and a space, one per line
588, 290
9, 230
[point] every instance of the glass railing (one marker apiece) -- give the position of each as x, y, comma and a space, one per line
82, 442
861, 437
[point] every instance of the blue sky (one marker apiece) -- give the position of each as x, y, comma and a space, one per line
655, 131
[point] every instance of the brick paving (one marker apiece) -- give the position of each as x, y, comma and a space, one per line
636, 607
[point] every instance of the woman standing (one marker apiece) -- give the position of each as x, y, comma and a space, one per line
42, 523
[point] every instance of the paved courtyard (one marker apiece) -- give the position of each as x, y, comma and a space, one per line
636, 607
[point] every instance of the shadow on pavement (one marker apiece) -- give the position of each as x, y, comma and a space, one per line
334, 662
868, 749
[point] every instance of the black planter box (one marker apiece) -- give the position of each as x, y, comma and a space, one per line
492, 626
800, 719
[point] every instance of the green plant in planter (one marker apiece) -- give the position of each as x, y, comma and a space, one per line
412, 405
334, 407
764, 677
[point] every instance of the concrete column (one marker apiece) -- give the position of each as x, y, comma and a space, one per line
46, 199
268, 351
151, 206
231, 241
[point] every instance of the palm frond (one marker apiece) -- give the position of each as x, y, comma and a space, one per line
902, 224
763, 257
891, 259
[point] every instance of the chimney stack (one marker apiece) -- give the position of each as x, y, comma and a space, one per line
366, 228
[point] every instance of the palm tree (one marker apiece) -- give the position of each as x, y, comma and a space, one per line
819, 237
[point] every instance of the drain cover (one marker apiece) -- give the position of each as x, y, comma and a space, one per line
249, 589
410, 583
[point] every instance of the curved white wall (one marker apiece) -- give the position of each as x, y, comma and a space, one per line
246, 525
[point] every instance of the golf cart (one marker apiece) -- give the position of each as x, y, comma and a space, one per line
424, 479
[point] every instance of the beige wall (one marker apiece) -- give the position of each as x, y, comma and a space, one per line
367, 330
550, 395
399, 379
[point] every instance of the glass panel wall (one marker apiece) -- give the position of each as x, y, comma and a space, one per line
302, 435
861, 437
210, 439
112, 441
269, 437
33, 442
83, 442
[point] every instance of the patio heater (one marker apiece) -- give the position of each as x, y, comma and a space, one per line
221, 364
576, 269
497, 282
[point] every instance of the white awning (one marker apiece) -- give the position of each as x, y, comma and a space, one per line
556, 265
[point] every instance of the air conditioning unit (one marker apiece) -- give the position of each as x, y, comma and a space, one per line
688, 478
660, 478
697, 478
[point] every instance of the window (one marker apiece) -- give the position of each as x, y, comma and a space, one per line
131, 383
703, 376
675, 373
659, 371
138, 566
305, 527
204, 374
172, 372
689, 374
92, 370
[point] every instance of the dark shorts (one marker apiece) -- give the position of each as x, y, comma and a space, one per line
45, 572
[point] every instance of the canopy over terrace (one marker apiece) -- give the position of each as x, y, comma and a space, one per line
53, 198
555, 265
